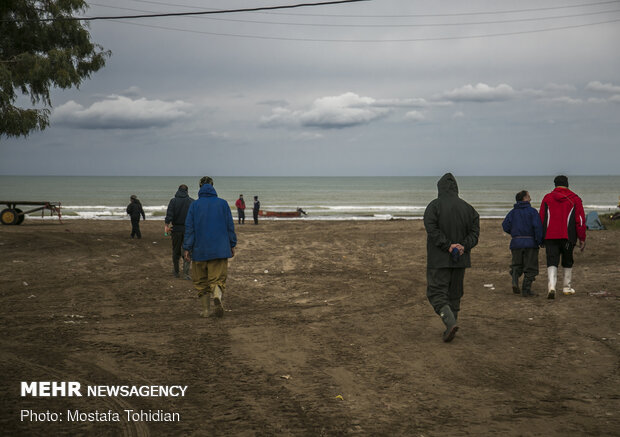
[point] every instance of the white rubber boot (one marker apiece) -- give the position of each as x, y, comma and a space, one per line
217, 300
552, 274
568, 276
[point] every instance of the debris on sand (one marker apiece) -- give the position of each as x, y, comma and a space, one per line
601, 293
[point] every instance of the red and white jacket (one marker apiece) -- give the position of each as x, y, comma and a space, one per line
561, 212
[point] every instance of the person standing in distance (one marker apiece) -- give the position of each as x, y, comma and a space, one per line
564, 225
175, 223
134, 209
255, 209
210, 240
240, 204
452, 229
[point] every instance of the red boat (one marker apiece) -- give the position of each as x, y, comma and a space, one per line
297, 213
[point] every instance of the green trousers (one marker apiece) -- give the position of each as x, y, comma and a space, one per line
207, 274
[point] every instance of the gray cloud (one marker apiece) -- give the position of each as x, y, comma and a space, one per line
277, 103
409, 103
120, 112
480, 93
332, 112
132, 91
603, 87
560, 87
563, 100
415, 116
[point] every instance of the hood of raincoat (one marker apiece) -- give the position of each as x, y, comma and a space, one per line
207, 190
447, 186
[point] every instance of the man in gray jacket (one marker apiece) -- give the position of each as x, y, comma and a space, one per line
452, 229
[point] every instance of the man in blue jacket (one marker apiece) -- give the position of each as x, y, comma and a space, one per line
209, 241
524, 225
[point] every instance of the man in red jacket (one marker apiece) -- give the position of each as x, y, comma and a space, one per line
240, 204
564, 225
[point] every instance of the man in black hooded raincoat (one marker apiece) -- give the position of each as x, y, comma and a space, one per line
452, 229
175, 219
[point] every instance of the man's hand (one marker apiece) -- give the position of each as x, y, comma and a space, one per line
460, 248
232, 250
582, 245
186, 256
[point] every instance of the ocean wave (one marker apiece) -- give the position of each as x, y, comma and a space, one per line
315, 212
600, 207
353, 208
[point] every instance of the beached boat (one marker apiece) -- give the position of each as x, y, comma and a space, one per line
297, 213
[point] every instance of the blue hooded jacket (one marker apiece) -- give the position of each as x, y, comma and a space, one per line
209, 227
524, 225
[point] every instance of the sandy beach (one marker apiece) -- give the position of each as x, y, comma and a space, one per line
327, 331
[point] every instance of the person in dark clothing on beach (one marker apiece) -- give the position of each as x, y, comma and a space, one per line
255, 209
452, 228
134, 209
175, 223
524, 225
240, 204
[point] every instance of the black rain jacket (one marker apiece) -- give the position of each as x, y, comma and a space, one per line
177, 210
449, 220
134, 209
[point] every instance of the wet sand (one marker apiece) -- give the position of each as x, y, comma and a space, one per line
327, 332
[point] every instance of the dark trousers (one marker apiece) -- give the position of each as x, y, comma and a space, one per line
241, 215
255, 214
445, 287
177, 249
524, 262
557, 249
135, 227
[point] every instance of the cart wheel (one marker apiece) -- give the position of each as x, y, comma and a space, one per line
20, 216
8, 216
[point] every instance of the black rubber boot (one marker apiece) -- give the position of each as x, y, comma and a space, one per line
186, 266
515, 283
527, 288
447, 317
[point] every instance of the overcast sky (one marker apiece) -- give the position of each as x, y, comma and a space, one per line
384, 87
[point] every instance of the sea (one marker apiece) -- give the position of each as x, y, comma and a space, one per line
322, 198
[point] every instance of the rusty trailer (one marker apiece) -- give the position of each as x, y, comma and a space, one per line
12, 215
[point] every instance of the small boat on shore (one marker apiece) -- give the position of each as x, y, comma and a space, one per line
284, 214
